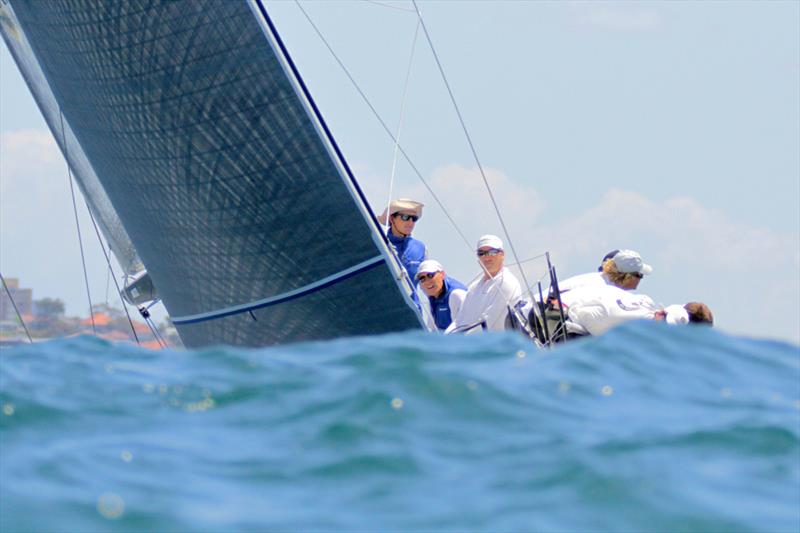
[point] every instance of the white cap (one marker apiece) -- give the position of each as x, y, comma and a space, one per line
628, 261
429, 266
676, 314
492, 241
402, 205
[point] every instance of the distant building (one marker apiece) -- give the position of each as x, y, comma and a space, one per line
22, 297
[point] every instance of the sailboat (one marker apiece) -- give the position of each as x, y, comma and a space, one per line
210, 170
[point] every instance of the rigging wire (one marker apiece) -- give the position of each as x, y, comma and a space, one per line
383, 4
108, 276
425, 309
156, 335
16, 310
407, 157
145, 312
77, 222
528, 260
383, 125
400, 125
469, 141
111, 270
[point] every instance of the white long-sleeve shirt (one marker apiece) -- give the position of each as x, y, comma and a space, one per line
594, 279
599, 308
488, 299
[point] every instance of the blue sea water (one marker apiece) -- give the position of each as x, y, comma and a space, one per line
648, 428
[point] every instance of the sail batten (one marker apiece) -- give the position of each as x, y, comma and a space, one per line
218, 169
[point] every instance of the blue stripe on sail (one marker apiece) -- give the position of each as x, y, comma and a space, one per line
285, 297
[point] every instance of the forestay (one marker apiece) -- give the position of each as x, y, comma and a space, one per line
223, 173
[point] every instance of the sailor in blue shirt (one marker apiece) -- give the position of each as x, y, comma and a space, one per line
403, 216
445, 294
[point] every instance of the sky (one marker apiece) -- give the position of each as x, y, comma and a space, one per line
670, 128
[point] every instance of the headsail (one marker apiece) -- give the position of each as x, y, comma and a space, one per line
215, 160
87, 180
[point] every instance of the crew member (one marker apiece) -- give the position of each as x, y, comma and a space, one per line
403, 216
445, 294
621, 268
489, 296
609, 255
598, 309
691, 313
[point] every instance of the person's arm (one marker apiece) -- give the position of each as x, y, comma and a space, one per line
508, 293
415, 254
457, 297
467, 311
603, 313
591, 316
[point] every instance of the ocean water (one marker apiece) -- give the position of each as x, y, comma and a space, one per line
648, 428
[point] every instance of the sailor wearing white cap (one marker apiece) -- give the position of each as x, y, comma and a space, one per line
626, 269
690, 313
673, 314
445, 294
403, 216
620, 268
489, 296
598, 309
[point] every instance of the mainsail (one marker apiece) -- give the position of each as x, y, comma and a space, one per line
207, 144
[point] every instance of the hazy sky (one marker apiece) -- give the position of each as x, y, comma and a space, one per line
669, 128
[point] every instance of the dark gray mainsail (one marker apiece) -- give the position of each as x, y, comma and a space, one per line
222, 171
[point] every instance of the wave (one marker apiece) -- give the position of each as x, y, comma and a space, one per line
645, 428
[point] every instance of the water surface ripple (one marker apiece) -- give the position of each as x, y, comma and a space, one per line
648, 428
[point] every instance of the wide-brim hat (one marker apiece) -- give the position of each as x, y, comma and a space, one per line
402, 205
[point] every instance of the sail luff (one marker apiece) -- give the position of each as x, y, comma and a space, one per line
405, 285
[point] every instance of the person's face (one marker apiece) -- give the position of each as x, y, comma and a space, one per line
401, 226
631, 281
431, 283
491, 259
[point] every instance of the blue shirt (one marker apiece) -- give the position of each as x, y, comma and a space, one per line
410, 251
440, 305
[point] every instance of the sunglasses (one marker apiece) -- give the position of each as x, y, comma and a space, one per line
427, 275
637, 275
406, 218
490, 252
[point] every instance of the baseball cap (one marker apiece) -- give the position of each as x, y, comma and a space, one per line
628, 261
492, 241
676, 314
609, 255
429, 266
